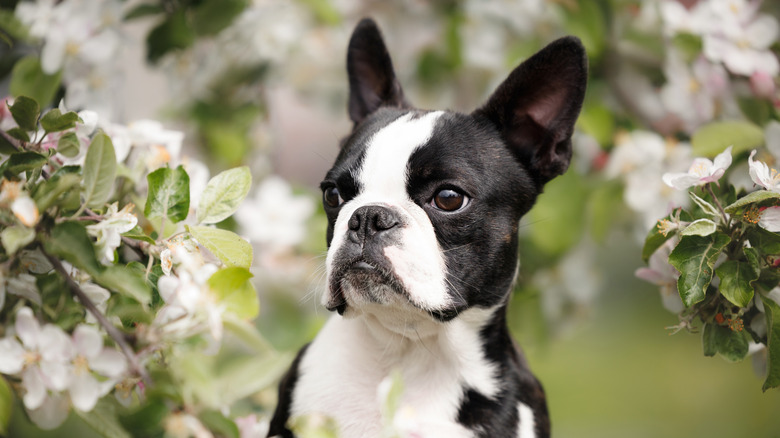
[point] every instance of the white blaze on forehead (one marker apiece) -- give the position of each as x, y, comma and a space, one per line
384, 169
417, 259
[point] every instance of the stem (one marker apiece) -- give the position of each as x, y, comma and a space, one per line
112, 331
726, 218
14, 142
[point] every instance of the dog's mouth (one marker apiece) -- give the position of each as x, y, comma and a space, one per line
362, 281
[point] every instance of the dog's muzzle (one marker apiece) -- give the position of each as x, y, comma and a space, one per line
360, 263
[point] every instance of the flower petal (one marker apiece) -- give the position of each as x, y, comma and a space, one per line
51, 413
27, 328
110, 363
770, 219
57, 375
35, 388
55, 345
87, 341
11, 356
84, 392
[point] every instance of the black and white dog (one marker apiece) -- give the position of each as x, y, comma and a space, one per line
423, 210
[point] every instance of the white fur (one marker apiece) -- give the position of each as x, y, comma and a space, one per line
417, 260
527, 422
345, 365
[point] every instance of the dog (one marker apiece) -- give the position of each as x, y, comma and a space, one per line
423, 210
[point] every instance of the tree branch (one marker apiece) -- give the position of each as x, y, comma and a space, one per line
112, 331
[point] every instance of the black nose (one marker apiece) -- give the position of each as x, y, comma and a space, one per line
368, 221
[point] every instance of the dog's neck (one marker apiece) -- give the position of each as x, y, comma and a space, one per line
407, 338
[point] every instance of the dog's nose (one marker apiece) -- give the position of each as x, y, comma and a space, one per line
370, 220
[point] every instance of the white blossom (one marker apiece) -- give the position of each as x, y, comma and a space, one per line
692, 93
90, 356
13, 195
265, 223
661, 273
740, 37
108, 231
42, 359
762, 175
702, 171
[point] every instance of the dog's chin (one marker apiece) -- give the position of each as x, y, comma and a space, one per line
362, 285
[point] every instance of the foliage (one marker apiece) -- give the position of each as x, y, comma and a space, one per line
124, 293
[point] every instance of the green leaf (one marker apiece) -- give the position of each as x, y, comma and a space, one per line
27, 79
732, 345
144, 10
147, 420
169, 194
392, 400
69, 145
99, 171
55, 121
735, 281
50, 192
138, 234
174, 33
764, 241
234, 290
249, 375
22, 162
248, 333
16, 237
655, 239
708, 340
11, 26
226, 245
690, 45
220, 424
6, 147
699, 227
19, 134
103, 420
705, 206
714, 138
212, 16
772, 312
694, 257
6, 406
126, 281
25, 111
70, 242
223, 194
751, 198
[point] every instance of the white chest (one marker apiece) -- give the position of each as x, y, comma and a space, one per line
341, 373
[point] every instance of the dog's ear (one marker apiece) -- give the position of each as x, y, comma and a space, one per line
536, 106
372, 81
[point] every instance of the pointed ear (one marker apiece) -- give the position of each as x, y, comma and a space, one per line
536, 107
372, 81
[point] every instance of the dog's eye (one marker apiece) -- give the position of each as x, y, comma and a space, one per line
331, 197
449, 200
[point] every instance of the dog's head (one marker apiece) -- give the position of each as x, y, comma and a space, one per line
423, 206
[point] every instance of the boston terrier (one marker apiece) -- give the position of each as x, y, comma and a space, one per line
423, 210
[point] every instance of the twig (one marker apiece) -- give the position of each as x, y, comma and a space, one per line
112, 331
13, 141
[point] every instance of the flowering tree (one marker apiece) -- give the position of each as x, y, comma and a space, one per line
129, 274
